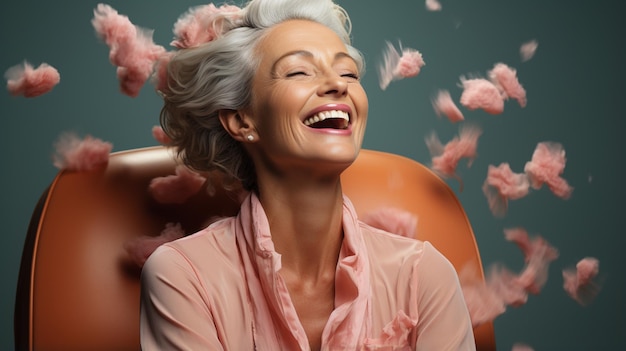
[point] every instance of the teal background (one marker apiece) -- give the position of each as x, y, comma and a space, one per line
575, 85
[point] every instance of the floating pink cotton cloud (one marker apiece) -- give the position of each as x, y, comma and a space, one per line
131, 48
480, 93
393, 220
433, 5
176, 189
505, 78
580, 283
160, 136
399, 64
521, 347
202, 24
75, 154
546, 166
527, 50
446, 158
29, 82
502, 185
443, 105
140, 248
502, 288
538, 254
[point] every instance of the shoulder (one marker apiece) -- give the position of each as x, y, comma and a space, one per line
213, 247
393, 251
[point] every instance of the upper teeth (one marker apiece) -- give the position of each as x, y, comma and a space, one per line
327, 114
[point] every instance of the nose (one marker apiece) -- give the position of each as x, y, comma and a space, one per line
333, 84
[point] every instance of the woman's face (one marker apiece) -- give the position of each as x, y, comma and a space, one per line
308, 106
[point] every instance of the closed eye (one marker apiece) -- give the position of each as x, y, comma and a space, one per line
294, 74
351, 75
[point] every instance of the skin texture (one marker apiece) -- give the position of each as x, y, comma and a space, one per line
304, 68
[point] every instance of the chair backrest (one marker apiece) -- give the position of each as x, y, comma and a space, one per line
77, 291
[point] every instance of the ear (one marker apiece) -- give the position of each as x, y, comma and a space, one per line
237, 125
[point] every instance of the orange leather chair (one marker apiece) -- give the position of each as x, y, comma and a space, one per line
77, 291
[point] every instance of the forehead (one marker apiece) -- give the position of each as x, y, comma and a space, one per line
299, 35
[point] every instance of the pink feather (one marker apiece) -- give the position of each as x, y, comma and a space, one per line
140, 248
202, 24
31, 82
527, 50
160, 136
399, 64
546, 166
131, 48
176, 189
446, 158
443, 104
503, 185
580, 283
538, 254
480, 93
74, 154
505, 78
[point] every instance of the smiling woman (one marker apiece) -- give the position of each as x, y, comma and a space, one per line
275, 102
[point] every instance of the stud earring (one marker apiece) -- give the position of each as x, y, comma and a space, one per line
250, 137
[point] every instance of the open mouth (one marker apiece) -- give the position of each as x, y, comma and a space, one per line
333, 119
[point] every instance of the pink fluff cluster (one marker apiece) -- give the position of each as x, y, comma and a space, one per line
505, 78
433, 5
444, 105
140, 248
75, 154
131, 48
546, 166
446, 158
399, 64
503, 184
202, 24
393, 220
527, 50
521, 347
176, 189
159, 135
580, 283
490, 94
27, 81
504, 288
480, 93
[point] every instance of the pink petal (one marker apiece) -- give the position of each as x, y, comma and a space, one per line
28, 82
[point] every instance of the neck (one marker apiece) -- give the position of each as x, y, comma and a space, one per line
306, 224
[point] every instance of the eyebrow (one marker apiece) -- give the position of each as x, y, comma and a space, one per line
308, 54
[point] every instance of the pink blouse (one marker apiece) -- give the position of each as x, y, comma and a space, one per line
220, 289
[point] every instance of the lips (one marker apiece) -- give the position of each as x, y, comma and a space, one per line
333, 119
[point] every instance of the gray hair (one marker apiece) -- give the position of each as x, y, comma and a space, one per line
218, 76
